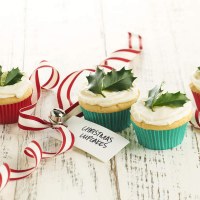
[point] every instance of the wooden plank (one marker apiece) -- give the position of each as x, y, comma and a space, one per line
12, 16
65, 34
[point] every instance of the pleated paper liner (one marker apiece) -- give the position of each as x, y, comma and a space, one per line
9, 113
160, 139
116, 121
197, 99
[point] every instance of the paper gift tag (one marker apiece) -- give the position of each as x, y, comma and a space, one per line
95, 139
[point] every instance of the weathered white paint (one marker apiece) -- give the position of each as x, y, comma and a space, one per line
75, 34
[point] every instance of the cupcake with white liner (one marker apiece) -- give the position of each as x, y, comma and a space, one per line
107, 98
160, 121
15, 93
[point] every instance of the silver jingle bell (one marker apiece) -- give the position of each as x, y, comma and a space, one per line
57, 116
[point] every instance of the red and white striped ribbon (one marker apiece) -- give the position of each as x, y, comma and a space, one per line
27, 121
195, 121
127, 55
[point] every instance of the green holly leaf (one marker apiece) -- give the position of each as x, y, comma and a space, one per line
157, 98
171, 100
13, 76
96, 81
118, 80
112, 81
198, 68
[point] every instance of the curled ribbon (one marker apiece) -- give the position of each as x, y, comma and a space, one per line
27, 121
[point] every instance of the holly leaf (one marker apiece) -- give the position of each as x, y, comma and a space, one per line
112, 81
177, 99
118, 80
153, 95
96, 81
13, 76
157, 98
198, 68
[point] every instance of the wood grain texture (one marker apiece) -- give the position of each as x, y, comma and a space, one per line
76, 34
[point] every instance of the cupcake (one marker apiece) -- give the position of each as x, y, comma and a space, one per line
106, 98
15, 93
160, 121
195, 87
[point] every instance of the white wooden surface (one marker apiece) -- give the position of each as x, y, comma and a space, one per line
72, 34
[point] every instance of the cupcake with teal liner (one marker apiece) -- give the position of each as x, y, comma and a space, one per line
160, 121
106, 98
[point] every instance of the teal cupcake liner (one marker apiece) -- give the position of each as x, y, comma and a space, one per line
116, 121
160, 139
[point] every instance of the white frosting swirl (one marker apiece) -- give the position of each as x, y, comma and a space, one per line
161, 115
196, 79
16, 90
111, 98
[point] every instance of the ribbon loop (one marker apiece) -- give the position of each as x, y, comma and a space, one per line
127, 55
